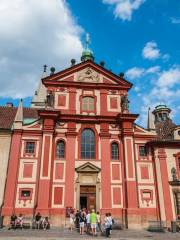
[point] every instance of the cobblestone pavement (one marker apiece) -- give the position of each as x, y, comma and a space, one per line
65, 234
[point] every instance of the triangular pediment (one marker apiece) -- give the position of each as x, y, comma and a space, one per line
87, 72
88, 167
140, 130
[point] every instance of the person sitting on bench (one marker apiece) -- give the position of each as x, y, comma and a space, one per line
45, 223
19, 221
12, 221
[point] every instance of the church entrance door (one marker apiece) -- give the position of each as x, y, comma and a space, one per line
88, 197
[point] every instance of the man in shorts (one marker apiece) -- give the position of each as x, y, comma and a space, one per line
93, 221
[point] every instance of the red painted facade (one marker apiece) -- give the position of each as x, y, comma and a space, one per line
132, 186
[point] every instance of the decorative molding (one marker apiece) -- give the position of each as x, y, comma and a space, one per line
88, 75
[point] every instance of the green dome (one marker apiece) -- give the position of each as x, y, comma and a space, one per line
161, 108
87, 54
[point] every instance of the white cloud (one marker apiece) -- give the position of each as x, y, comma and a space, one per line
152, 70
151, 51
175, 20
34, 33
169, 78
135, 72
123, 9
165, 90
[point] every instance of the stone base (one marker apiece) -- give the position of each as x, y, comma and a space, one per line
134, 221
139, 221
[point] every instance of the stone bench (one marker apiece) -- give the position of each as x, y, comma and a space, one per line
156, 226
27, 222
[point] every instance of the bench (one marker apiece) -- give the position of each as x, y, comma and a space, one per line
27, 222
156, 226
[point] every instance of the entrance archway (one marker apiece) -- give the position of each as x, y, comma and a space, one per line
88, 187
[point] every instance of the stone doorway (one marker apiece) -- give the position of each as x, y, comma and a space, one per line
88, 197
87, 187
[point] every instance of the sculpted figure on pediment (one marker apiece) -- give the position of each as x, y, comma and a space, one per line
88, 75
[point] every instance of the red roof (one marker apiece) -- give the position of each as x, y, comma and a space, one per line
7, 115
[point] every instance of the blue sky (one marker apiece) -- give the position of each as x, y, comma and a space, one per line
138, 37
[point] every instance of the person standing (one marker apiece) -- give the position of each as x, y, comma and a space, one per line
82, 220
71, 219
99, 222
93, 221
77, 219
107, 224
111, 222
88, 224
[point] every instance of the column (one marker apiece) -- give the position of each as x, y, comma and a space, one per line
70, 168
165, 184
44, 186
131, 191
45, 173
105, 169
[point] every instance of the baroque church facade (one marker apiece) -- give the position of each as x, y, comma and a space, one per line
78, 146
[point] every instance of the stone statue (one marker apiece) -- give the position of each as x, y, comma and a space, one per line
125, 103
50, 99
174, 174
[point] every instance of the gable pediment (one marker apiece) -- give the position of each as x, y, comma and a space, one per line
88, 167
87, 72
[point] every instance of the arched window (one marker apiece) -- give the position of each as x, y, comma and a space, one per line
87, 104
87, 144
60, 149
114, 151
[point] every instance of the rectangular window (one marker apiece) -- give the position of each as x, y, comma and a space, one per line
88, 104
25, 193
30, 147
142, 151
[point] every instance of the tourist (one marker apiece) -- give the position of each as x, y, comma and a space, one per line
93, 221
38, 220
82, 220
111, 222
13, 221
88, 224
45, 223
77, 219
99, 222
107, 223
19, 221
71, 219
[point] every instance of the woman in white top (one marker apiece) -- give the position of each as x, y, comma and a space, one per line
71, 219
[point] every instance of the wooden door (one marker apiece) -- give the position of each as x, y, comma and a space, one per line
91, 203
90, 193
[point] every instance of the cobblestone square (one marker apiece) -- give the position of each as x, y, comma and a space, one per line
55, 234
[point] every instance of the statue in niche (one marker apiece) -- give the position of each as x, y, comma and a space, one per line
50, 99
88, 75
125, 103
174, 174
